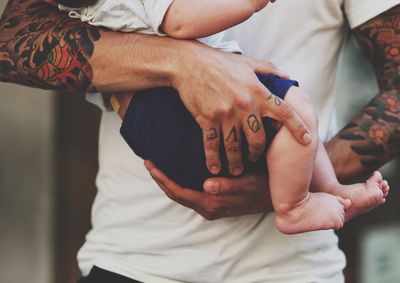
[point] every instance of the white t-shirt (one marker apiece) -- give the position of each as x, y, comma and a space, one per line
139, 233
142, 16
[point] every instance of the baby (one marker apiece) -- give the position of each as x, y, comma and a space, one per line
305, 192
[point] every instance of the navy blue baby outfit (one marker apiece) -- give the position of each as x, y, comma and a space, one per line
158, 127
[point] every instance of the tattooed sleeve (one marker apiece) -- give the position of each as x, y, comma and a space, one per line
42, 47
375, 133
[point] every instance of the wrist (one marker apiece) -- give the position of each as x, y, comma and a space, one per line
187, 56
147, 62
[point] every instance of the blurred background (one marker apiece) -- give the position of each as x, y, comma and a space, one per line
48, 162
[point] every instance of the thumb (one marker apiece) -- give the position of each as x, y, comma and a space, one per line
221, 186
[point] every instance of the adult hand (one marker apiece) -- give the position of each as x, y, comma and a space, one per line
224, 95
223, 197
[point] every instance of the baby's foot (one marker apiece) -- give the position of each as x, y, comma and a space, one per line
319, 211
364, 196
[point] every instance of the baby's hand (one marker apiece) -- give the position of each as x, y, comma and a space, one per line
261, 4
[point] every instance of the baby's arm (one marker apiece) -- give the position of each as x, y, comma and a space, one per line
187, 19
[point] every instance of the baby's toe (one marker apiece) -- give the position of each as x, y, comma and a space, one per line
345, 202
385, 188
376, 177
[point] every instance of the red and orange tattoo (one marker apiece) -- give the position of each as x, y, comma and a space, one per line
375, 132
42, 47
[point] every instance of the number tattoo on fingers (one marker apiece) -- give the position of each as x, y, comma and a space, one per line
233, 135
212, 134
253, 123
277, 100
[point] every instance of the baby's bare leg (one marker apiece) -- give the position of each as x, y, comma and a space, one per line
363, 196
290, 166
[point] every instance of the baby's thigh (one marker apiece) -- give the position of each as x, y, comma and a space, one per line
301, 103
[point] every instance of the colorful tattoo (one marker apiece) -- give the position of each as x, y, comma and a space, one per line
42, 47
375, 133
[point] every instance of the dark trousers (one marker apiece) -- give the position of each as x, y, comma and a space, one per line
158, 127
98, 275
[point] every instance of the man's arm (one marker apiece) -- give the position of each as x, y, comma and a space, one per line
372, 138
42, 47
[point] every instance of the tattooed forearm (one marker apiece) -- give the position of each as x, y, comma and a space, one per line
42, 47
374, 134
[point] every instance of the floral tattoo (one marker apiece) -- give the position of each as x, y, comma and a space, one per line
42, 47
375, 133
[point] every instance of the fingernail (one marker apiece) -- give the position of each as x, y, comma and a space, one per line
236, 171
307, 138
211, 187
214, 169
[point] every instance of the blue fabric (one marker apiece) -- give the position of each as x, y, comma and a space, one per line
158, 127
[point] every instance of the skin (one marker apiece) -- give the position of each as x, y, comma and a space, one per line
187, 19
369, 140
32, 35
42, 47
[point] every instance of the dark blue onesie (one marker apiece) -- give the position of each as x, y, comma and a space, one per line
158, 127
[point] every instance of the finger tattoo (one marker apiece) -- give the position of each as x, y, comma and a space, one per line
212, 134
278, 101
232, 136
254, 123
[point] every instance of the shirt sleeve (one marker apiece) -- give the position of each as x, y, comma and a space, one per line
156, 10
98, 100
360, 11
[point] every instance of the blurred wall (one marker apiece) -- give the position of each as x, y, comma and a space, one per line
26, 184
48, 163
76, 161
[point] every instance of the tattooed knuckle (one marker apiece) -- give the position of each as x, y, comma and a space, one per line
254, 123
211, 135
